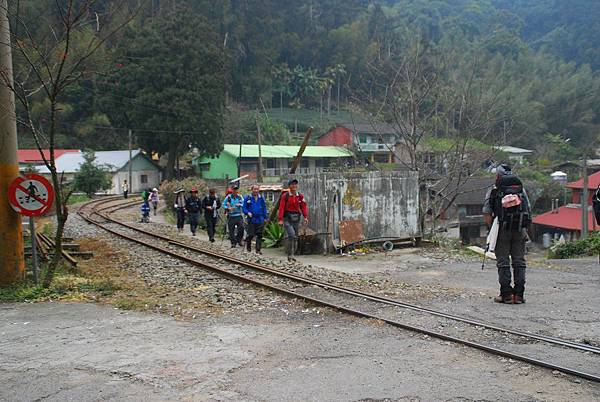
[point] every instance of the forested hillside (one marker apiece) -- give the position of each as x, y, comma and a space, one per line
177, 69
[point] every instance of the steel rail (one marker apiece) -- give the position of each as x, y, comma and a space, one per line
358, 313
368, 296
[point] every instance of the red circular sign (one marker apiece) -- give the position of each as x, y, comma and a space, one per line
31, 194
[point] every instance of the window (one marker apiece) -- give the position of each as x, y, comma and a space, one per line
304, 163
271, 164
144, 179
204, 167
382, 158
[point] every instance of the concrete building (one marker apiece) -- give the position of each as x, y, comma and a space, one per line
385, 202
277, 160
145, 173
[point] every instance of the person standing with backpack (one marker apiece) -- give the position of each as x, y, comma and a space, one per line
211, 205
507, 202
179, 206
292, 208
233, 204
255, 208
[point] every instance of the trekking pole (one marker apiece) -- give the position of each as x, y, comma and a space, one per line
484, 254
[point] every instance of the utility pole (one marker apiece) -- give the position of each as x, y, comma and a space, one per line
584, 200
12, 263
259, 175
130, 186
239, 164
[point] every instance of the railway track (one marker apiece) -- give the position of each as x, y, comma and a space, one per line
289, 285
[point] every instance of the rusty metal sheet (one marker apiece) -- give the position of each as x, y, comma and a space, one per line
351, 231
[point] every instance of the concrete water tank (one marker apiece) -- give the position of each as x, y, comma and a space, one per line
546, 240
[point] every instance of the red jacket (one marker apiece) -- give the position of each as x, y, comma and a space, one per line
292, 203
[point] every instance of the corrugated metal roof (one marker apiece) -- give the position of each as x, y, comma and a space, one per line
34, 156
513, 150
287, 151
70, 162
593, 182
567, 217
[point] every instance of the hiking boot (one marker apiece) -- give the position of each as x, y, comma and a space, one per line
212, 240
259, 252
233, 245
518, 299
503, 299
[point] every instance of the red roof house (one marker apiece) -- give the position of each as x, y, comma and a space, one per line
33, 156
568, 217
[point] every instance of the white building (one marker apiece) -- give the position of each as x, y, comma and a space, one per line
515, 155
145, 173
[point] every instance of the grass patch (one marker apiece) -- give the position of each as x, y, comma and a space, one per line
78, 198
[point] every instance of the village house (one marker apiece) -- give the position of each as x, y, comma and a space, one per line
276, 161
516, 155
567, 220
145, 173
377, 141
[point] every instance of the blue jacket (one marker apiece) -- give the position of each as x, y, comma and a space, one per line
233, 205
145, 208
258, 208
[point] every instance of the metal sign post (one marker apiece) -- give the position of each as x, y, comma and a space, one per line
34, 259
31, 195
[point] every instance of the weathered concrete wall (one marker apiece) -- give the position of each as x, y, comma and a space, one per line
387, 203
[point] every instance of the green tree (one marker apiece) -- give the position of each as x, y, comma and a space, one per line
171, 74
91, 177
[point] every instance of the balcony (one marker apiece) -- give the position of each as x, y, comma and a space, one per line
375, 147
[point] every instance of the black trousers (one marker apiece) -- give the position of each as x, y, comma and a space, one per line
180, 218
254, 230
194, 217
211, 223
232, 223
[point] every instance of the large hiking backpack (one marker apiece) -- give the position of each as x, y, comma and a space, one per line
510, 203
596, 205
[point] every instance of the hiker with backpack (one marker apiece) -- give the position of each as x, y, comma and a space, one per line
211, 204
233, 204
179, 206
255, 209
507, 202
292, 211
193, 206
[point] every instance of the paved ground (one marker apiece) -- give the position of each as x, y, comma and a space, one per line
292, 352
88, 352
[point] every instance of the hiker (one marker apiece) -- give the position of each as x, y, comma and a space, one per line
179, 206
596, 205
255, 209
145, 194
125, 188
211, 205
508, 202
154, 199
145, 209
292, 208
193, 206
233, 205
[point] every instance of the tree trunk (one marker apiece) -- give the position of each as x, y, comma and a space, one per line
338, 96
281, 101
171, 158
329, 101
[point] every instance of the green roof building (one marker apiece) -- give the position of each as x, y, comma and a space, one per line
277, 159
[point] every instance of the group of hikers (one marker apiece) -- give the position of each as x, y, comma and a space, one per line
244, 214
149, 197
506, 211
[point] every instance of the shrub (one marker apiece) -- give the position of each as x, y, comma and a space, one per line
578, 248
167, 189
273, 235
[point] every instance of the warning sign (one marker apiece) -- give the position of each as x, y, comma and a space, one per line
31, 195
